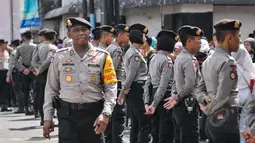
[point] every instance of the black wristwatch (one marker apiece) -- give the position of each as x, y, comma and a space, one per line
106, 114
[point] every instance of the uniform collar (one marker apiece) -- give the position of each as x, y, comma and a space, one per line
102, 45
221, 50
132, 46
73, 53
163, 52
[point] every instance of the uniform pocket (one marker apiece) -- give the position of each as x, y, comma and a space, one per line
94, 75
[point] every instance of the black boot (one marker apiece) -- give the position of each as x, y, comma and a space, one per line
19, 111
28, 112
5, 108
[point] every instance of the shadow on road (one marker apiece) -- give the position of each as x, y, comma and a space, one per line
41, 138
25, 128
25, 119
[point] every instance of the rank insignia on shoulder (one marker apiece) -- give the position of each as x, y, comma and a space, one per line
68, 78
137, 58
71, 52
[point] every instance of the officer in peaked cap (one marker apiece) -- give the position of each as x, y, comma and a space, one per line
81, 81
96, 36
186, 69
217, 90
106, 36
139, 27
161, 80
22, 59
115, 131
132, 89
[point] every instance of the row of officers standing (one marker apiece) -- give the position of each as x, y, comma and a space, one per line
83, 82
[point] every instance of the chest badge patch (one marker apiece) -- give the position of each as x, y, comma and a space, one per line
137, 58
93, 78
170, 65
91, 52
68, 78
94, 60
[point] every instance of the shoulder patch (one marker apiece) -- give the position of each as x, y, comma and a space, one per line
100, 50
61, 50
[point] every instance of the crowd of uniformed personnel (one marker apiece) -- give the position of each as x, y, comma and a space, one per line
167, 84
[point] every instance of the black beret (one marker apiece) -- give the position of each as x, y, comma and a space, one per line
107, 28
166, 40
50, 33
2, 41
74, 21
169, 34
15, 42
27, 33
96, 33
190, 30
136, 36
227, 24
139, 27
122, 27
42, 32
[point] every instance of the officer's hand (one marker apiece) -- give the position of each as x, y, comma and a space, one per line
202, 106
170, 103
120, 100
100, 124
26, 71
147, 109
8, 79
48, 127
127, 91
36, 72
151, 110
208, 99
248, 137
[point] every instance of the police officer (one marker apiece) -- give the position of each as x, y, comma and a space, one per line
14, 76
25, 54
41, 60
218, 87
161, 78
4, 90
106, 36
36, 86
96, 36
83, 84
132, 90
115, 133
186, 72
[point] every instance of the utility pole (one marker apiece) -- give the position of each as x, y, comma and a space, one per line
92, 13
11, 16
110, 13
117, 11
84, 9
105, 10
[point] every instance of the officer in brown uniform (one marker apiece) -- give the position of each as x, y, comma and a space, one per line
82, 82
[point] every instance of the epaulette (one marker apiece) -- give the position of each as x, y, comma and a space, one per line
61, 50
100, 50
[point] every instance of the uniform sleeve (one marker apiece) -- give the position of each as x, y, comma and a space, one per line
18, 64
116, 58
35, 60
201, 91
110, 85
31, 66
131, 73
45, 64
146, 94
163, 84
190, 81
52, 89
250, 113
11, 65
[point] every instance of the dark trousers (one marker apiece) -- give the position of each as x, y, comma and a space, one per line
36, 94
223, 126
4, 88
140, 123
185, 123
18, 88
39, 85
76, 126
114, 133
162, 128
27, 84
202, 122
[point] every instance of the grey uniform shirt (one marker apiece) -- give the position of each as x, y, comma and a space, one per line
81, 80
102, 46
219, 81
12, 63
67, 43
186, 73
250, 112
41, 59
160, 75
117, 58
25, 54
4, 60
135, 68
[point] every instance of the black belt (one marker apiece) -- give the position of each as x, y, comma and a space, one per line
84, 106
26, 66
139, 81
